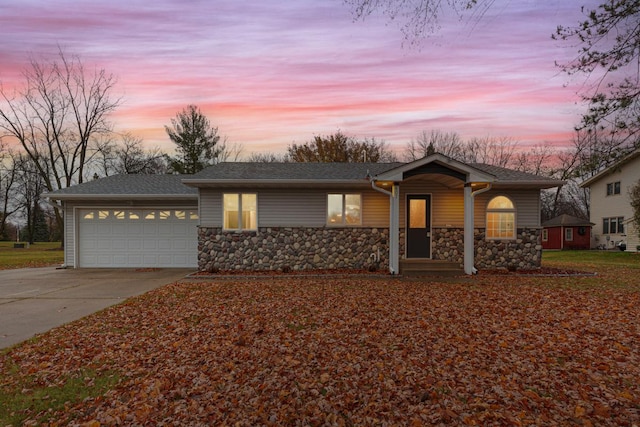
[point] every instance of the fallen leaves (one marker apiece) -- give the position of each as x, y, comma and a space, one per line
352, 351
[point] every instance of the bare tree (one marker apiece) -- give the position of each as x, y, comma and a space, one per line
448, 143
418, 18
230, 153
57, 116
267, 158
586, 157
538, 160
608, 42
491, 151
128, 157
7, 189
29, 198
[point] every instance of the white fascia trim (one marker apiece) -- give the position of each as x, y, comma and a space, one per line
120, 197
274, 182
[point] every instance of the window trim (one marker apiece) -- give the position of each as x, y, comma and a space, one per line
343, 222
619, 221
545, 235
614, 188
240, 212
568, 234
514, 210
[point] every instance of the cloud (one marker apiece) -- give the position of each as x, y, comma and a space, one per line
269, 73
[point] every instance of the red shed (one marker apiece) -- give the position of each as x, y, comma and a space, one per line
566, 232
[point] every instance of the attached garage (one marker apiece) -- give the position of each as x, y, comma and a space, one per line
130, 221
137, 237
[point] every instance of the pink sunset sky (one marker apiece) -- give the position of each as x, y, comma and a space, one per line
269, 73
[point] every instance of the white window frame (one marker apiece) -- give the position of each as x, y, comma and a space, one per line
545, 235
614, 188
343, 222
240, 211
568, 234
512, 211
619, 228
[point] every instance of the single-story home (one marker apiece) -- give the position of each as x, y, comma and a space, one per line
566, 232
303, 216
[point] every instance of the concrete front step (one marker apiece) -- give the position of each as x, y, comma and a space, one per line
429, 267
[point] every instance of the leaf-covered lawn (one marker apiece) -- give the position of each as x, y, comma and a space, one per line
299, 351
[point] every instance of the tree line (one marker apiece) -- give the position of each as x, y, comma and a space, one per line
59, 119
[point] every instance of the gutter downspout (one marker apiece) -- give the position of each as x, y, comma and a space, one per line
394, 225
469, 249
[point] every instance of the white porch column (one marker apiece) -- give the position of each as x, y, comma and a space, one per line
469, 251
394, 232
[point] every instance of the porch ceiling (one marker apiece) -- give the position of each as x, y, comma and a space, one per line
445, 180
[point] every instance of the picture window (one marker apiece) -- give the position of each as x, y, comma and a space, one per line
344, 209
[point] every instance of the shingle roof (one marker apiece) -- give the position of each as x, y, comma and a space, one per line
332, 171
292, 171
567, 221
510, 175
167, 186
129, 185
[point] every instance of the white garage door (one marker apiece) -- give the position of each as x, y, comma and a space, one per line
137, 238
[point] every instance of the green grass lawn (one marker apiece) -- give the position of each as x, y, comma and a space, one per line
39, 254
591, 259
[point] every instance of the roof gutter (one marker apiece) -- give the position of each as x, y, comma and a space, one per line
212, 183
105, 197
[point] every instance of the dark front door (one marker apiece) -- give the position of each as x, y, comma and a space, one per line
418, 226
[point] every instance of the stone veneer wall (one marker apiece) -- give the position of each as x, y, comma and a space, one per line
523, 253
292, 248
300, 248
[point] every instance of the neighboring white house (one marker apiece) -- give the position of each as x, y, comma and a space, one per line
610, 206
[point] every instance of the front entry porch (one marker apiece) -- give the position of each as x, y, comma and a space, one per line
453, 181
419, 267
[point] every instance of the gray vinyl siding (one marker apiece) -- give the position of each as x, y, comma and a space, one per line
295, 208
211, 208
307, 207
299, 208
527, 204
69, 236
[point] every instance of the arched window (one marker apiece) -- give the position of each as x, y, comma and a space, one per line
501, 218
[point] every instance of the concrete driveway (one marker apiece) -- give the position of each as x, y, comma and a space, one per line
34, 300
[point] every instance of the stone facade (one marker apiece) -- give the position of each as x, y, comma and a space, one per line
447, 244
293, 248
524, 253
301, 248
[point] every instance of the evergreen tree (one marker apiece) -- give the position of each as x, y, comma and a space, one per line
195, 141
